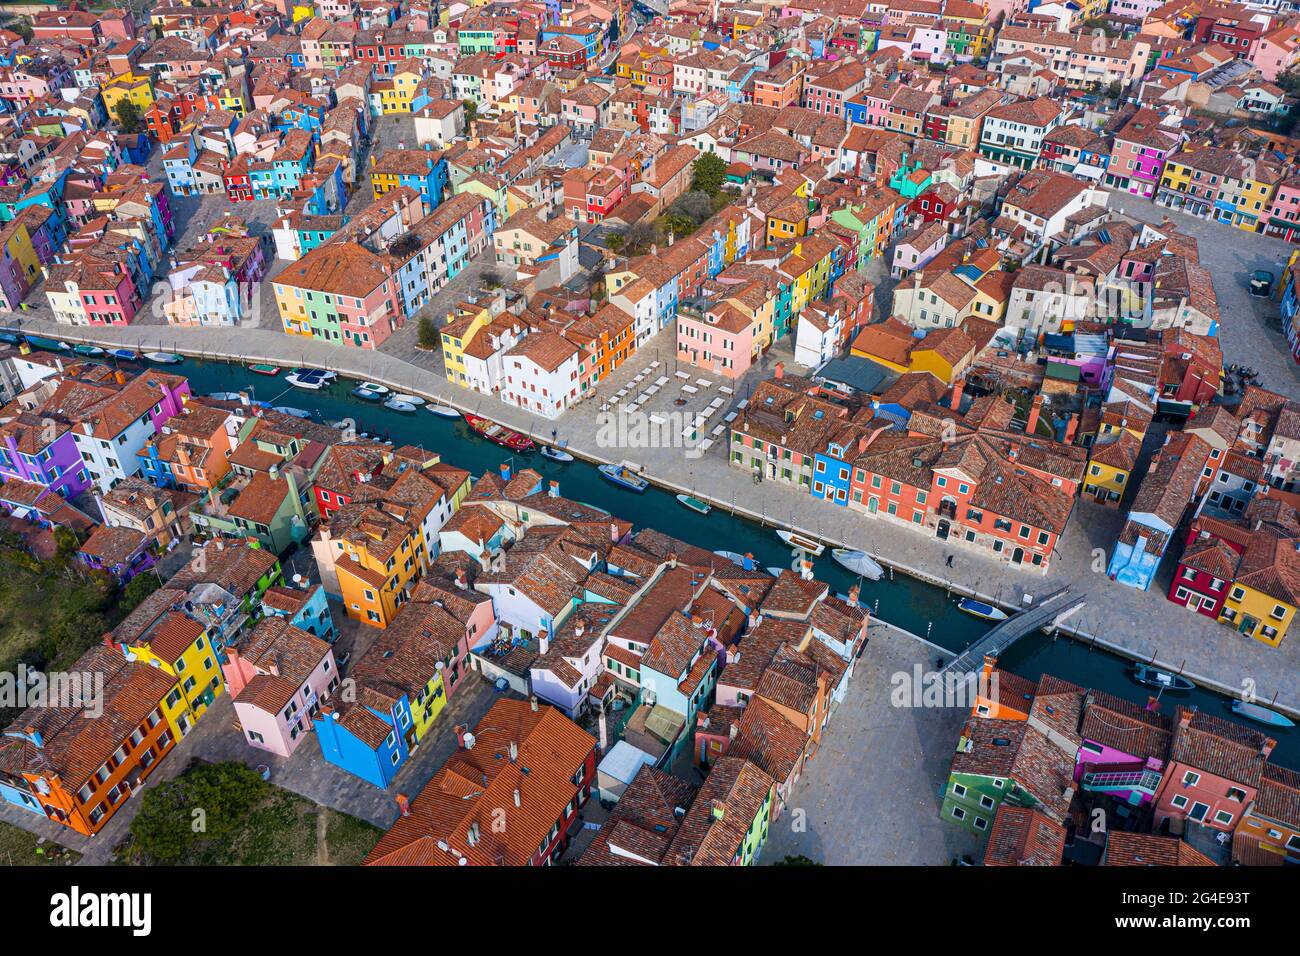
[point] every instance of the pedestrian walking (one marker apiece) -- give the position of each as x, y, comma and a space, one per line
948, 562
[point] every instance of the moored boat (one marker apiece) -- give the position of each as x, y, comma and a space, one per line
1164, 680
442, 411
293, 412
409, 399
366, 395
624, 477
224, 396
505, 437
306, 378
982, 609
555, 453
859, 562
695, 504
84, 349
374, 387
163, 358
125, 355
397, 406
262, 368
801, 541
1261, 714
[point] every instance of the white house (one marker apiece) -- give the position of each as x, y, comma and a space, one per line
541, 374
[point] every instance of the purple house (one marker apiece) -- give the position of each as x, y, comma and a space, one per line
42, 450
1138, 156
1124, 751
122, 552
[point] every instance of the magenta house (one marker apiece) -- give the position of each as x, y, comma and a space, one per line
1138, 156
1124, 750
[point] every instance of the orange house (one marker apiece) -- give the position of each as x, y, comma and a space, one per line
607, 336
196, 445
1002, 695
79, 764
780, 86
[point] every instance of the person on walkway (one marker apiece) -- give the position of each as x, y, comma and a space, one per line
948, 562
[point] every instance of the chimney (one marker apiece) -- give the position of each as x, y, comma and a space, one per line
735, 729
579, 628
958, 387
1269, 744
1071, 429
613, 532
748, 561
1034, 411
554, 490
672, 559
543, 641
517, 800
854, 592
462, 582
514, 752
1185, 716
532, 702
505, 471
460, 735
779, 372
719, 809
403, 804
1153, 704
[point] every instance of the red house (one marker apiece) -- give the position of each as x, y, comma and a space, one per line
1214, 771
239, 185
1209, 564
508, 796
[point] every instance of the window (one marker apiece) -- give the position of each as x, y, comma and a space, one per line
1191, 778
1223, 817
1179, 801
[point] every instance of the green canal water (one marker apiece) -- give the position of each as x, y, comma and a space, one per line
913, 605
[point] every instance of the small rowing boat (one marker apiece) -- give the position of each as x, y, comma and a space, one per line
1164, 680
505, 437
734, 557
293, 412
695, 504
556, 453
624, 477
859, 562
91, 350
409, 399
1261, 715
125, 355
442, 411
804, 543
394, 405
164, 358
374, 387
263, 369
366, 395
982, 609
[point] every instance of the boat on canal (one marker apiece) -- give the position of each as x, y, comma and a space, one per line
859, 562
313, 380
505, 437
396, 405
695, 504
164, 358
88, 350
415, 400
442, 411
292, 412
556, 452
982, 609
261, 368
624, 477
1163, 680
1261, 714
801, 541
125, 355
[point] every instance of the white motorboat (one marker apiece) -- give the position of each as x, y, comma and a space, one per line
801, 541
859, 562
394, 405
442, 411
409, 399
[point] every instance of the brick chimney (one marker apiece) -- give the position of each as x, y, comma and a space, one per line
958, 387
1034, 411
779, 371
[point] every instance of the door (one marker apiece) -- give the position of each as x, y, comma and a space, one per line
941, 532
1017, 555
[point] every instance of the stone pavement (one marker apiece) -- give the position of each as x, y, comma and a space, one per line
872, 794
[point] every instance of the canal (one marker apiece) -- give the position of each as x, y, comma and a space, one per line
913, 605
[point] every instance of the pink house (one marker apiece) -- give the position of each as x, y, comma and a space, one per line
1138, 156
1283, 218
1124, 749
718, 339
1214, 771
277, 678
1275, 52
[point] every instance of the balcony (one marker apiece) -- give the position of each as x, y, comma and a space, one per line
1145, 780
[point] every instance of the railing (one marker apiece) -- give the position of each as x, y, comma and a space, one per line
1147, 780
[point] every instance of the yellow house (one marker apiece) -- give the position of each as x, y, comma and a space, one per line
1263, 599
944, 353
456, 333
124, 87
303, 11
1176, 175
1255, 198
179, 646
1111, 468
396, 94
23, 262
292, 310
377, 557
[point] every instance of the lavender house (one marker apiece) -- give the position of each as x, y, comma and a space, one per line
42, 450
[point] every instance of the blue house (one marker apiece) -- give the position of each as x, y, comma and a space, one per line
307, 609
362, 740
155, 470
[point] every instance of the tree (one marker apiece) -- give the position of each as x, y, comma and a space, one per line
207, 802
615, 242
428, 334
471, 111
708, 173
696, 205
796, 860
1289, 80
638, 237
136, 590
128, 116
679, 225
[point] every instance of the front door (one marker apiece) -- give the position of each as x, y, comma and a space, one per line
1018, 555
941, 532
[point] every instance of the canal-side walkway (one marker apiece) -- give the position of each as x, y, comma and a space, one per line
1137, 624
